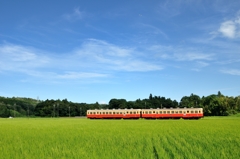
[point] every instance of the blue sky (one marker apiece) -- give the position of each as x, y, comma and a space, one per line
93, 51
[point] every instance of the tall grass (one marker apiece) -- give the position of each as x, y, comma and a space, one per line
83, 138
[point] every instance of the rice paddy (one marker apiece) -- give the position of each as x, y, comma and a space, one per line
212, 137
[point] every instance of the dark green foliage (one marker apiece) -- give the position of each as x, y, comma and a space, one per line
213, 105
118, 103
4, 112
17, 107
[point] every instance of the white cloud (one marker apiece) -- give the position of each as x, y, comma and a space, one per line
153, 30
179, 53
75, 15
199, 65
230, 28
202, 64
192, 56
34, 63
80, 75
231, 71
19, 58
105, 55
94, 59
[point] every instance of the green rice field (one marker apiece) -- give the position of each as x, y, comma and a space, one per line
210, 137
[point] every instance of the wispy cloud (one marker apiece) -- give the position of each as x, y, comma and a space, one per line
15, 57
192, 56
113, 57
75, 15
34, 63
80, 75
202, 64
96, 56
231, 71
178, 53
153, 30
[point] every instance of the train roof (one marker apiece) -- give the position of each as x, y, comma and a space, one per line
142, 109
170, 108
110, 109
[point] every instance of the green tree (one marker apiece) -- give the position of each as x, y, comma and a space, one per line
117, 103
4, 111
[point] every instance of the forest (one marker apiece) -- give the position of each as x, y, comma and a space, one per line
213, 105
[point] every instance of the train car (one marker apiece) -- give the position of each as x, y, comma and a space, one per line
172, 113
114, 114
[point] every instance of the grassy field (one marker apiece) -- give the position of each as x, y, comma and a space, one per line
212, 137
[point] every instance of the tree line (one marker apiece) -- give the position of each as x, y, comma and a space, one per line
213, 105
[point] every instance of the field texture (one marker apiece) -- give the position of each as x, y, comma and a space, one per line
82, 138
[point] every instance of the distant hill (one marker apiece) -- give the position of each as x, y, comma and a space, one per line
17, 106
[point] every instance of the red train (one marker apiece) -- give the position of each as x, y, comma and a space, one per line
171, 113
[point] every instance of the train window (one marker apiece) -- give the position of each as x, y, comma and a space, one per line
188, 111
192, 111
146, 112
176, 112
127, 113
103, 112
90, 112
196, 111
168, 112
93, 112
106, 112
134, 112
150, 112
160, 112
153, 112
184, 112
164, 112
110, 112
156, 112
180, 112
100, 112
199, 111
172, 112
130, 112
120, 112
